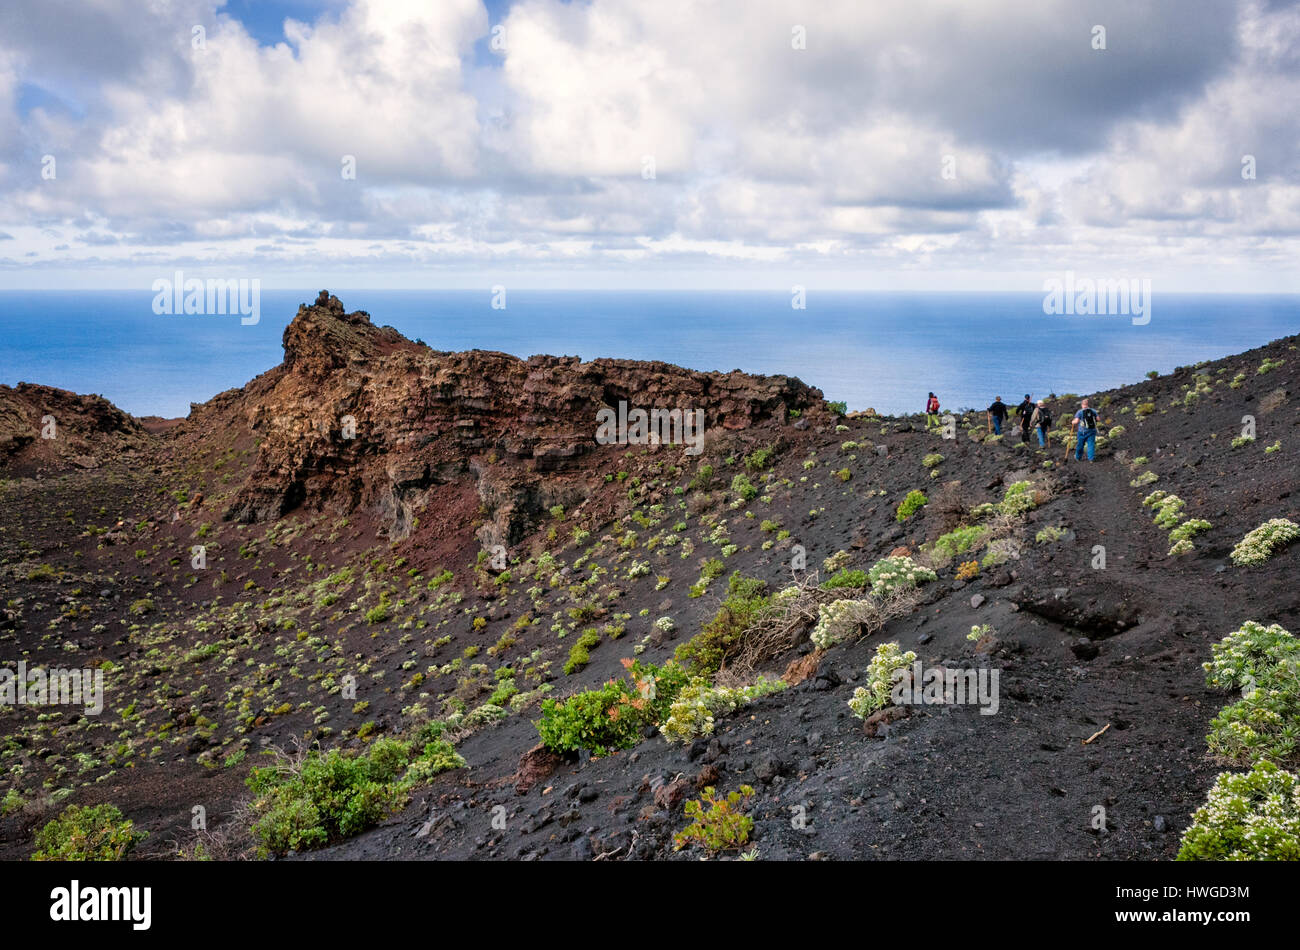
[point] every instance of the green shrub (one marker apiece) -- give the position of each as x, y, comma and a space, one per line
743, 487
1018, 498
579, 653
1189, 529
1050, 533
722, 827
931, 460
381, 611
1265, 663
706, 652
845, 578
87, 833
613, 716
911, 504
325, 797
703, 478
1247, 655
760, 459
959, 541
1247, 817
839, 408
439, 756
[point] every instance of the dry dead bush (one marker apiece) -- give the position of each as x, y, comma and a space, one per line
789, 619
949, 509
233, 841
700, 502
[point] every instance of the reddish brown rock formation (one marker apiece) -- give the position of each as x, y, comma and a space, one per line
44, 430
357, 415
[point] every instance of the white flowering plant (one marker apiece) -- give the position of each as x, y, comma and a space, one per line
1254, 816
1248, 654
1265, 541
839, 619
700, 704
880, 679
899, 571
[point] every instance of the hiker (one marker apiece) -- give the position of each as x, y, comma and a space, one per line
996, 413
1085, 421
1041, 421
931, 411
1025, 410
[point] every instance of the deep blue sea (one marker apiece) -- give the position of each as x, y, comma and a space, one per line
883, 350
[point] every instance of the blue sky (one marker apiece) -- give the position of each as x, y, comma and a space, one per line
613, 143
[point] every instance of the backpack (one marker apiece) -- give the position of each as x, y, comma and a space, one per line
1088, 418
1045, 417
932, 405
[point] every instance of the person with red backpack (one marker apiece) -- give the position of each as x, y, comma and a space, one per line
932, 411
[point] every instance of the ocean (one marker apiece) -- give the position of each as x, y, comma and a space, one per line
878, 350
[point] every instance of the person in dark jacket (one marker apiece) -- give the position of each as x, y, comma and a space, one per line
996, 413
1024, 411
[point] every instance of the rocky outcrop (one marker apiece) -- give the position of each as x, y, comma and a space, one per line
359, 416
44, 430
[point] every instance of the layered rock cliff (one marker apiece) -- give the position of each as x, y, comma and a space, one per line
359, 416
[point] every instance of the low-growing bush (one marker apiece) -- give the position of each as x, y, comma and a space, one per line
743, 487
911, 504
1265, 541
706, 652
1265, 663
958, 541
718, 824
1253, 816
580, 652
1019, 498
313, 799
613, 716
851, 578
1244, 656
895, 573
87, 833
841, 619
699, 704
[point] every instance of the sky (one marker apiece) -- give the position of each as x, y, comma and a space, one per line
835, 144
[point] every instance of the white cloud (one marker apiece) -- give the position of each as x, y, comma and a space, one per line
831, 156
